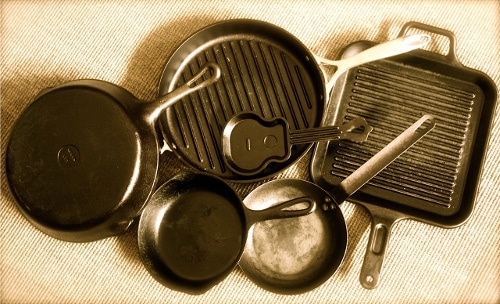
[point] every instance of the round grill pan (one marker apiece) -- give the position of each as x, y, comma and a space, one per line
265, 70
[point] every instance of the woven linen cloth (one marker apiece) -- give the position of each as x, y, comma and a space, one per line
46, 43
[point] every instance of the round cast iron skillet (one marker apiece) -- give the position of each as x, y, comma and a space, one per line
82, 159
192, 232
264, 68
299, 254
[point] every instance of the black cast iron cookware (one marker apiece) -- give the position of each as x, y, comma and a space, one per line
82, 159
192, 233
299, 254
435, 181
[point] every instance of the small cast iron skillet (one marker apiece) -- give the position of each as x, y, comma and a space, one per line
192, 233
82, 159
300, 254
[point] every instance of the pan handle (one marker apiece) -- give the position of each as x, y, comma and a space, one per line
451, 57
152, 110
380, 233
281, 210
383, 50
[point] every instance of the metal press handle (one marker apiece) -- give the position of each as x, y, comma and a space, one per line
387, 155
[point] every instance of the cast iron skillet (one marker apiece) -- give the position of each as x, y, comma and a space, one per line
82, 159
192, 232
299, 254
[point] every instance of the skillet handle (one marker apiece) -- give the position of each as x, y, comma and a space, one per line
380, 233
451, 57
152, 110
281, 210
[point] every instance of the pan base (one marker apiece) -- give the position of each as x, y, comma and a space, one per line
72, 158
200, 236
294, 255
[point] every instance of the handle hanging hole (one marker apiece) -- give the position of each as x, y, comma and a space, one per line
369, 279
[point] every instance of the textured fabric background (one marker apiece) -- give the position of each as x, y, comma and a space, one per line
45, 43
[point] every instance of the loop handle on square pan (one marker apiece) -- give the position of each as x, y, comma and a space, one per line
451, 57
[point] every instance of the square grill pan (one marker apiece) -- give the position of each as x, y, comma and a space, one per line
436, 180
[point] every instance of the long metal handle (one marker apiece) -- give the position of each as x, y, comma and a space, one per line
383, 158
381, 228
152, 110
380, 51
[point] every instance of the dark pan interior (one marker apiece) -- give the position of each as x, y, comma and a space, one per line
264, 69
435, 180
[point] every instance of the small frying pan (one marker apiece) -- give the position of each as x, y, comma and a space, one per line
82, 159
266, 70
300, 255
192, 233
297, 255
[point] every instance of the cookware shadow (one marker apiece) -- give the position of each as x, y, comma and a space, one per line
357, 224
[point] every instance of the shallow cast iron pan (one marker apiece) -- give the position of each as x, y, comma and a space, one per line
264, 68
435, 181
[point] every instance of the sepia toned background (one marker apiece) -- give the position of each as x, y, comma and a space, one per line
46, 43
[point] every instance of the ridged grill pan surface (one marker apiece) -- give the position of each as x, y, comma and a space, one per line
264, 69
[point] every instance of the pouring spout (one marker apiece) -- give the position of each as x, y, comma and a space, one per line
208, 74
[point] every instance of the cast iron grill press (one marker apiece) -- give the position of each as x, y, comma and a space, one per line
436, 180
